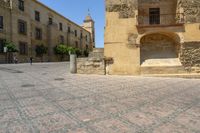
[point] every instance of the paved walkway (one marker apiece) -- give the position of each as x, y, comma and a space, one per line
46, 98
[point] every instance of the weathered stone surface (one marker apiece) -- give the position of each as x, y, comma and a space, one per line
126, 8
190, 55
90, 66
191, 9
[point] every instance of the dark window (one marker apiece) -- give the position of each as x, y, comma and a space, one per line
69, 29
154, 16
75, 32
2, 45
81, 35
22, 27
21, 5
1, 22
76, 44
37, 16
38, 34
60, 26
23, 48
50, 21
86, 46
86, 37
62, 39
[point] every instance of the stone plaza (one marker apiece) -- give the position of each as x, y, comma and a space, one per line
45, 97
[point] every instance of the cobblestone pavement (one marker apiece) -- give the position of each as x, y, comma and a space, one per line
46, 98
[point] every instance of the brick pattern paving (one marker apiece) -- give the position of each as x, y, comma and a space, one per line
46, 98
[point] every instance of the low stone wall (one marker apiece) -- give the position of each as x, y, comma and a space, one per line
190, 56
91, 66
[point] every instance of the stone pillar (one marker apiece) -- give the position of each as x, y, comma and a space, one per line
73, 64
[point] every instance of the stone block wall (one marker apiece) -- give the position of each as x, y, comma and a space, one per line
94, 64
190, 56
91, 66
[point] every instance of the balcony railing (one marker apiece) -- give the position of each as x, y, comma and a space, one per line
161, 20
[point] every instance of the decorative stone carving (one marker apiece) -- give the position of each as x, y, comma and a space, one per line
132, 39
126, 8
191, 9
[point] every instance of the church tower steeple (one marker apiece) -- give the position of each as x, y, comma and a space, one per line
89, 25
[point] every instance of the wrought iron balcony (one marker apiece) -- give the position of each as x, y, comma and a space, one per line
160, 20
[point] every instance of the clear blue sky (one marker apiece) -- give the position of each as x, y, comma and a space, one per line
76, 10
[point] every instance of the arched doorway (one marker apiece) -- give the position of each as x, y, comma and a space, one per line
159, 50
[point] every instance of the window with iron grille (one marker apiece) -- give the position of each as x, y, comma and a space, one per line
1, 22
22, 27
75, 32
62, 40
81, 35
76, 44
23, 48
21, 5
69, 29
38, 34
60, 26
50, 21
154, 16
37, 16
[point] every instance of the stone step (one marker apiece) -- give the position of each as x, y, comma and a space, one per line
163, 70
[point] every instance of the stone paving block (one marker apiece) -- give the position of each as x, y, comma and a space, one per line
95, 99
38, 110
4, 96
15, 127
159, 111
112, 126
78, 130
50, 123
87, 114
172, 128
26, 94
6, 104
71, 104
112, 108
9, 115
32, 101
80, 93
56, 94
139, 118
189, 121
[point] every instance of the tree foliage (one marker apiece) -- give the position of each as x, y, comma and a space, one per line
61, 50
11, 47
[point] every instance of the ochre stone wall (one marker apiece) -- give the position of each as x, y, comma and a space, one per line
123, 33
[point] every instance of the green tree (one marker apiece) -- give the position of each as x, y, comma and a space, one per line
11, 48
78, 52
61, 50
71, 50
40, 51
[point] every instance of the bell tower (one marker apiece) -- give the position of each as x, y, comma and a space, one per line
89, 25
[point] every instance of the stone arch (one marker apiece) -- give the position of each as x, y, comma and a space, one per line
159, 46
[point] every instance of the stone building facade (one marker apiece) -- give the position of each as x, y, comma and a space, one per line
28, 23
152, 36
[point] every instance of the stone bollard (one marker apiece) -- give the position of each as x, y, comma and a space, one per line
73, 65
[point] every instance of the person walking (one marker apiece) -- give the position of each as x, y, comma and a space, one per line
31, 60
